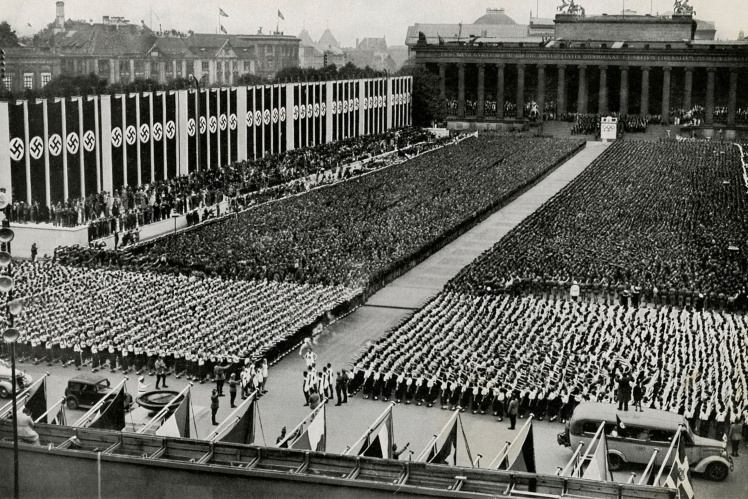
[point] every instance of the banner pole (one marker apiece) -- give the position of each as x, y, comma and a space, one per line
371, 428
311, 415
163, 411
233, 418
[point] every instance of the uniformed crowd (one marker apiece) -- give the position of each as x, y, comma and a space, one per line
126, 320
473, 352
668, 218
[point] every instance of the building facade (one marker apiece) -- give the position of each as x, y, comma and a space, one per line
645, 65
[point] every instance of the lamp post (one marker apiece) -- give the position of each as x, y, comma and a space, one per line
11, 334
197, 121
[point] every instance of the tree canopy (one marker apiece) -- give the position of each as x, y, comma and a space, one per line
8, 37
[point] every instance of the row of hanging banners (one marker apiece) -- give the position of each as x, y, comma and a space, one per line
55, 149
176, 420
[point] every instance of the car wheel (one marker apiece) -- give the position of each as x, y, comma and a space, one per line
717, 472
4, 392
615, 462
72, 403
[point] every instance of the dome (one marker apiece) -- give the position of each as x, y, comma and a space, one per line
493, 17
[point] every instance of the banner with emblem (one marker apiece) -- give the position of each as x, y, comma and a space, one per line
213, 144
303, 102
131, 139
223, 126
319, 137
55, 151
343, 109
334, 110
282, 136
374, 115
202, 128
157, 135
322, 135
275, 120
297, 142
118, 142
90, 145
170, 134
251, 122
144, 138
73, 146
36, 152
233, 132
267, 137
356, 108
192, 128
17, 149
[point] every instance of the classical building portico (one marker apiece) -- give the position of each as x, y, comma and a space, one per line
639, 65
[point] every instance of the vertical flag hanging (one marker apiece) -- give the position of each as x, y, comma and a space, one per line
144, 138
213, 144
56, 150
251, 124
73, 145
295, 117
267, 137
90, 145
202, 113
223, 125
170, 135
233, 133
17, 150
323, 110
282, 136
193, 130
157, 136
275, 119
36, 151
305, 142
131, 139
118, 143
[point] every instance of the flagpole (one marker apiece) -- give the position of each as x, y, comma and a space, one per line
592, 442
508, 445
467, 445
24, 393
232, 418
311, 414
163, 411
667, 456
501, 454
20, 401
436, 438
371, 428
574, 457
650, 466
56, 406
86, 417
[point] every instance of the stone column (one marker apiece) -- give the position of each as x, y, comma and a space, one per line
688, 90
480, 112
732, 98
162, 72
442, 81
582, 93
461, 90
113, 71
541, 89
709, 111
602, 102
132, 70
623, 107
561, 92
666, 95
645, 92
520, 91
500, 92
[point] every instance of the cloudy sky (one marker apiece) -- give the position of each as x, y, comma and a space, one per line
347, 19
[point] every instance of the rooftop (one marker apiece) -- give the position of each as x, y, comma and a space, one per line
493, 17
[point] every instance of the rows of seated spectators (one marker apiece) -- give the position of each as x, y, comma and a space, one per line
472, 352
669, 218
140, 313
155, 201
491, 108
355, 232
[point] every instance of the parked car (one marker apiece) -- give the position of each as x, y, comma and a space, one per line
23, 380
85, 390
641, 434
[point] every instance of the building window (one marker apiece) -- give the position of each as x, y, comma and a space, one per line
139, 69
45, 78
8, 81
28, 80
206, 66
154, 70
104, 68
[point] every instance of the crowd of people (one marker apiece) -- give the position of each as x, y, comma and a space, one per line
127, 206
474, 352
357, 231
669, 218
126, 320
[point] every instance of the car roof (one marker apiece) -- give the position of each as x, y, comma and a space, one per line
88, 378
607, 412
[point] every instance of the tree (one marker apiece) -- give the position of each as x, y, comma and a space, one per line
250, 80
427, 106
8, 37
70, 85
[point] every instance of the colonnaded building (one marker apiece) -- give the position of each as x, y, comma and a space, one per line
576, 63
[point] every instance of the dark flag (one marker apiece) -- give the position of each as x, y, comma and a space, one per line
74, 146
170, 134
37, 402
446, 451
178, 424
233, 127
157, 135
118, 141
243, 432
314, 436
56, 149
251, 124
202, 126
381, 445
112, 415
36, 142
521, 453
131, 138
213, 113
90, 145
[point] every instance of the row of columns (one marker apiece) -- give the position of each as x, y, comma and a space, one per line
582, 97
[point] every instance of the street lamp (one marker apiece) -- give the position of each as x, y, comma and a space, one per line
197, 121
11, 334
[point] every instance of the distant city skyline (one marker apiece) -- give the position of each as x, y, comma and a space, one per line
348, 20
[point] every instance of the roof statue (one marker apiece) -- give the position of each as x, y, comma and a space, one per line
571, 8
682, 7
